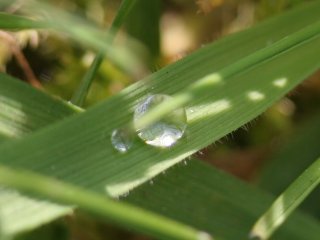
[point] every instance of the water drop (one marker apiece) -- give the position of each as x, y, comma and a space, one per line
151, 182
121, 139
165, 132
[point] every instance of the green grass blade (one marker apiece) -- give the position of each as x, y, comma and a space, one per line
287, 202
205, 85
87, 153
293, 157
80, 94
122, 14
121, 213
82, 91
201, 196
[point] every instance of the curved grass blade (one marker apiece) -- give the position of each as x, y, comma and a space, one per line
97, 204
229, 106
230, 99
85, 156
287, 202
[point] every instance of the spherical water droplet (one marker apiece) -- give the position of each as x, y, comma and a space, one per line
165, 132
121, 139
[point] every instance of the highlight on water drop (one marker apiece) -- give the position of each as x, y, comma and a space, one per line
165, 132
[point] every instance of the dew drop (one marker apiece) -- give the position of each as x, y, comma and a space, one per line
165, 132
121, 139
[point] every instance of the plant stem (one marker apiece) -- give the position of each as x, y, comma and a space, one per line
80, 94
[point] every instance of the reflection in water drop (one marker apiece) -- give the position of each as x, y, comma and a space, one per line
121, 139
165, 132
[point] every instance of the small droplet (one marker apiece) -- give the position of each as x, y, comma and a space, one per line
151, 182
185, 162
165, 132
121, 139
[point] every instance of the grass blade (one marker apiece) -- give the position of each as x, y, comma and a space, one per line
287, 202
121, 213
80, 94
205, 85
79, 148
296, 154
86, 153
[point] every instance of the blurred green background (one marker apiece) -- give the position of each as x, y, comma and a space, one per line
170, 30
